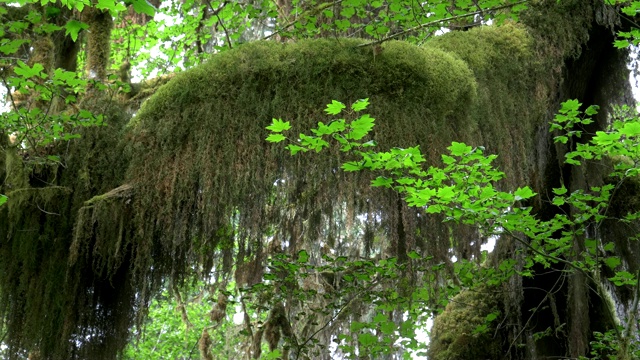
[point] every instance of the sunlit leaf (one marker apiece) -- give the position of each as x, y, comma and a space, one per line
459, 149
334, 108
143, 7
275, 138
303, 256
360, 105
73, 27
277, 125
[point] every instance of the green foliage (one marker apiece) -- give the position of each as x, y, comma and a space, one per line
334, 289
465, 190
174, 327
73, 27
35, 120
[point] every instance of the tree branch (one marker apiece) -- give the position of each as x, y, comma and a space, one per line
436, 22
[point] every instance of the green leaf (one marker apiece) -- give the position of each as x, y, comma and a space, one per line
560, 191
446, 193
379, 318
111, 5
366, 339
334, 108
79, 6
612, 262
348, 12
621, 44
73, 27
382, 181
480, 329
357, 326
609, 246
570, 105
48, 28
273, 355
631, 128
295, 149
623, 278
144, 7
3, 199
52, 11
523, 193
560, 139
448, 160
25, 71
387, 327
360, 105
592, 110
303, 256
342, 24
351, 166
275, 138
361, 127
277, 125
18, 27
459, 149
34, 17
9, 47
603, 138
491, 317
337, 126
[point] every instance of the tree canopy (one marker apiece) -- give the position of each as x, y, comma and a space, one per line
135, 167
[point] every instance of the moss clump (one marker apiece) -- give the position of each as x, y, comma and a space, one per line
454, 335
512, 97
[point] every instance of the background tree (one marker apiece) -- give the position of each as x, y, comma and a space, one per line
96, 226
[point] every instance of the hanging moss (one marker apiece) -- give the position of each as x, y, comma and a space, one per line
43, 298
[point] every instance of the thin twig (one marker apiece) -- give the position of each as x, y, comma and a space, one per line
314, 12
215, 13
338, 313
226, 33
46, 212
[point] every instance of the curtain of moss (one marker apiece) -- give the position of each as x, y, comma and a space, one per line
49, 304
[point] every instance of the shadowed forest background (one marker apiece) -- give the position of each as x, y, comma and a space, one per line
143, 214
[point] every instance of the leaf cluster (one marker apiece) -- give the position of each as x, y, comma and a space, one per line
466, 190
